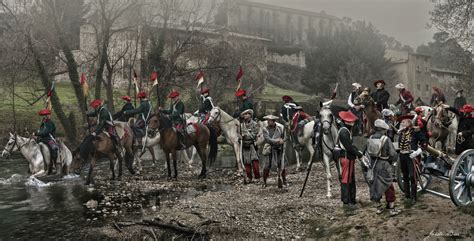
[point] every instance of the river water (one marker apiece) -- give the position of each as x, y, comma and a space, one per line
32, 210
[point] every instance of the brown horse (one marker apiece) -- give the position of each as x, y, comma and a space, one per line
170, 144
370, 112
101, 146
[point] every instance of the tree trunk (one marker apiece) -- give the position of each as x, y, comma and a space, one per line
74, 76
102, 59
110, 92
56, 104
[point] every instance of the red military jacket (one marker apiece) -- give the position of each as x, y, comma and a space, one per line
297, 117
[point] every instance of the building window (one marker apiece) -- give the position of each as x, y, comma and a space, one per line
418, 87
427, 88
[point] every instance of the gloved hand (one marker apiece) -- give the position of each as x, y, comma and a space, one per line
93, 134
416, 153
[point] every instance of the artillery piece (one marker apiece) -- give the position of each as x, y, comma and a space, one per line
458, 172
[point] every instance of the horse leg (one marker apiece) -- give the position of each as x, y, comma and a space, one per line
90, 180
238, 157
152, 152
202, 154
298, 155
175, 164
112, 165
328, 175
168, 165
120, 161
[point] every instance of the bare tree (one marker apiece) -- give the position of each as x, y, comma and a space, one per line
456, 18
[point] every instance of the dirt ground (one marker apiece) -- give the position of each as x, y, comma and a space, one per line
221, 207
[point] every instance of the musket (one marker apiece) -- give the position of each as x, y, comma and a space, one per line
242, 154
282, 161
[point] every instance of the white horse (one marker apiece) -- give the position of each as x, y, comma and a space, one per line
329, 134
37, 155
230, 130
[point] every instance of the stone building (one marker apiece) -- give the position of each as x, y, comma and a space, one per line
285, 26
416, 72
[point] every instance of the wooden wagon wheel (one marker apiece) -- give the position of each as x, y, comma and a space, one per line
461, 179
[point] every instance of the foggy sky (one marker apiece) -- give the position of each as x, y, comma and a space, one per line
405, 20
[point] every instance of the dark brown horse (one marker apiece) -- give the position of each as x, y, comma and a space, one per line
101, 146
170, 144
370, 111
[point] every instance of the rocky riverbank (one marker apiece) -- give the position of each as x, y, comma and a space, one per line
151, 207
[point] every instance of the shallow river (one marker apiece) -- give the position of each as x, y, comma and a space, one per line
34, 211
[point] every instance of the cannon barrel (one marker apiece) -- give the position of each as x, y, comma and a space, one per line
439, 154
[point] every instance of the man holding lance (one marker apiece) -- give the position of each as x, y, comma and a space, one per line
176, 112
144, 112
46, 134
104, 121
120, 116
275, 138
206, 105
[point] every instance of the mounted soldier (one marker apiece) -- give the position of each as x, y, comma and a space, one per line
104, 123
437, 97
275, 137
288, 108
405, 99
47, 135
380, 96
245, 103
382, 155
465, 128
460, 101
144, 112
249, 131
356, 106
347, 157
298, 121
120, 116
176, 112
206, 106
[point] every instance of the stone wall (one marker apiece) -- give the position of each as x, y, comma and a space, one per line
283, 25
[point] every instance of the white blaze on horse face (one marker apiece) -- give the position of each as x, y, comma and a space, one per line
9, 147
326, 119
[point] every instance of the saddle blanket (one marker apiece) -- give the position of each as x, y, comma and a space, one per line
190, 128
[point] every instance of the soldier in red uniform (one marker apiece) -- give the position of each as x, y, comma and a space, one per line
405, 99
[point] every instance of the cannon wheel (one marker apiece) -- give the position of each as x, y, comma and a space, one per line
424, 179
461, 179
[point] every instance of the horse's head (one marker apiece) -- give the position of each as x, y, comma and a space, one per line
10, 147
214, 115
441, 115
154, 122
327, 119
77, 161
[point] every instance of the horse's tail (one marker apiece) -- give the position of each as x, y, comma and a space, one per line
128, 158
213, 145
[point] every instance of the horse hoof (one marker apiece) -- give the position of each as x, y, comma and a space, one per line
329, 195
202, 176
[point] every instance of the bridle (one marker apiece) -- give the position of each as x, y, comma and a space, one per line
330, 122
218, 118
15, 143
